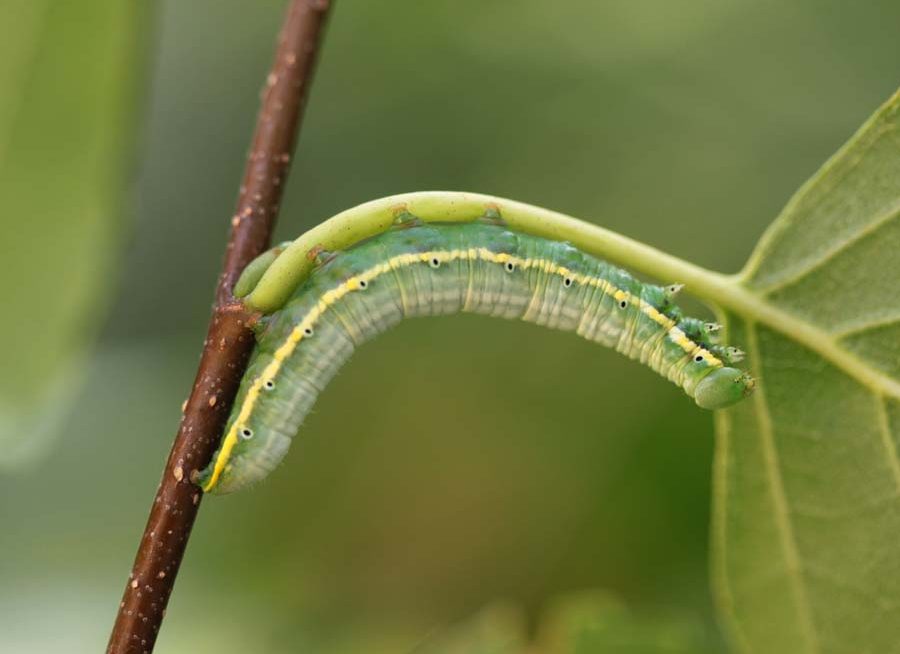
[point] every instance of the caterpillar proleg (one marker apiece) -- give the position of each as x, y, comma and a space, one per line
426, 258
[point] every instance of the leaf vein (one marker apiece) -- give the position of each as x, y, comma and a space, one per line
828, 255
863, 327
779, 498
724, 595
888, 442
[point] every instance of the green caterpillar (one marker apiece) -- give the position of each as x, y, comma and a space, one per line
433, 254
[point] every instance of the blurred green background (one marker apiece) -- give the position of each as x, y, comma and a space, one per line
456, 463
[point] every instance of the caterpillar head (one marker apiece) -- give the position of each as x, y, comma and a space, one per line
722, 388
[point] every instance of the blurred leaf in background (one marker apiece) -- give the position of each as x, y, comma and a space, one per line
499, 628
70, 77
588, 622
594, 622
554, 465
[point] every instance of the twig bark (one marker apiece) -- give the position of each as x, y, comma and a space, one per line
228, 341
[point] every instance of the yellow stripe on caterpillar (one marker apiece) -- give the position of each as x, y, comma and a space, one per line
352, 284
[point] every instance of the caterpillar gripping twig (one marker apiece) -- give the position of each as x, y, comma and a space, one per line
432, 268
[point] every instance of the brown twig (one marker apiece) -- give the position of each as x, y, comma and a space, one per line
228, 341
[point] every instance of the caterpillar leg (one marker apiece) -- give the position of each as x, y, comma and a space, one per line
256, 269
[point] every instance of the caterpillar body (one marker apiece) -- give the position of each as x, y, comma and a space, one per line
421, 269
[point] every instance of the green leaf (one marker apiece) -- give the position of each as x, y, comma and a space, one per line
68, 74
807, 478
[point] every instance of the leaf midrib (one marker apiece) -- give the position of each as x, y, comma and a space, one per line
730, 292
